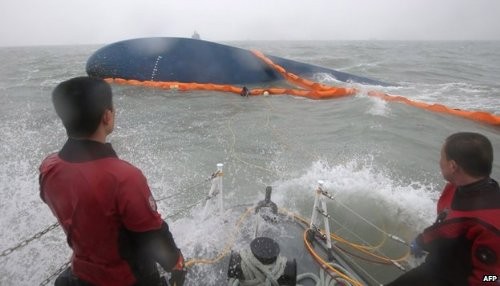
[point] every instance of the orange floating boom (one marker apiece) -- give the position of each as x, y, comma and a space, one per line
480, 116
312, 90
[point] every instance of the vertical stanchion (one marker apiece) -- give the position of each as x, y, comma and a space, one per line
320, 207
221, 194
317, 196
215, 189
327, 225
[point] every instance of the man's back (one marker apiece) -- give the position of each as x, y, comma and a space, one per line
97, 198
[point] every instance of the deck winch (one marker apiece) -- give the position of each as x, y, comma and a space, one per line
261, 264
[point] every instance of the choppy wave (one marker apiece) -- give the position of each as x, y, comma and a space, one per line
377, 158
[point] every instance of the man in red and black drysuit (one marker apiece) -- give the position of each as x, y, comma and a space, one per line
463, 244
103, 204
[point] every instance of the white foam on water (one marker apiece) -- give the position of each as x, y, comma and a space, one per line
23, 212
209, 235
328, 79
360, 183
378, 106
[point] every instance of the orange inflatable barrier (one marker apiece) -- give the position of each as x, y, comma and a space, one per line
313, 94
177, 85
313, 90
326, 91
480, 116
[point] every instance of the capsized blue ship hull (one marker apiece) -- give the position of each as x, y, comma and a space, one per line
190, 60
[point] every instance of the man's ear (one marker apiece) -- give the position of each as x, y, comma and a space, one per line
453, 165
107, 117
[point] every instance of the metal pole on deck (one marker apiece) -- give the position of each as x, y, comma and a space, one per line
320, 207
215, 190
315, 206
221, 194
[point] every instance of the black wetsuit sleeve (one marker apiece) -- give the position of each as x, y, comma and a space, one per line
157, 245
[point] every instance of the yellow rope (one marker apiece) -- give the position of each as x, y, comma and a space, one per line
233, 152
279, 134
359, 247
323, 263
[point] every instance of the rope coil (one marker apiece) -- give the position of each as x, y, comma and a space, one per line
256, 273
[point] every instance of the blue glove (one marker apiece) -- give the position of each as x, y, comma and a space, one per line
415, 249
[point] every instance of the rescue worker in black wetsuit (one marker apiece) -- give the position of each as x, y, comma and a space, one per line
463, 244
103, 203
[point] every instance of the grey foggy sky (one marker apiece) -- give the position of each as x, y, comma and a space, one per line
37, 22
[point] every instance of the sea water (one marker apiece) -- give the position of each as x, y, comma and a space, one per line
379, 159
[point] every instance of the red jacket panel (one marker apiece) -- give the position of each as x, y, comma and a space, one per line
93, 199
